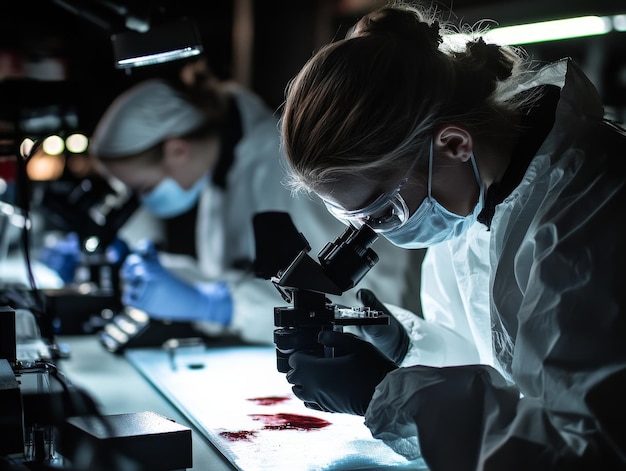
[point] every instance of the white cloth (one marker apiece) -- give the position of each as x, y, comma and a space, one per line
224, 231
541, 296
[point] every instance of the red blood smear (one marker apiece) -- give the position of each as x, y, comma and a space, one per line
239, 436
277, 422
269, 401
290, 422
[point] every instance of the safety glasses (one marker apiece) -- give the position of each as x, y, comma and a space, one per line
387, 212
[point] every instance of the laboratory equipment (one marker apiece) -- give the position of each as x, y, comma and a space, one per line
305, 283
50, 423
95, 209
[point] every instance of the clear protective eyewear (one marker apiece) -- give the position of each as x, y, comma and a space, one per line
387, 212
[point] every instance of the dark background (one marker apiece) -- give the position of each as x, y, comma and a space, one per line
283, 34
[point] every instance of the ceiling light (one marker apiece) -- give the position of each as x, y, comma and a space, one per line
138, 38
161, 43
544, 31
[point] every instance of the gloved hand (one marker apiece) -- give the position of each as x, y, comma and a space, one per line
62, 256
148, 286
391, 339
343, 383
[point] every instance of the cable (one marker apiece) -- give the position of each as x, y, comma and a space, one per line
23, 203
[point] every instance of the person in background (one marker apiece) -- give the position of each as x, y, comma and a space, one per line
511, 176
204, 157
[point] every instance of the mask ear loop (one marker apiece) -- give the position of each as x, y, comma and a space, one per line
481, 188
430, 168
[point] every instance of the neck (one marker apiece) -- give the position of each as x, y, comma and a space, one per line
493, 150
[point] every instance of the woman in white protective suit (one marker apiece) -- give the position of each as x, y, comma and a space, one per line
515, 182
204, 157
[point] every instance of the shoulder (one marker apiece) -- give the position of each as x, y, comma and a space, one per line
251, 106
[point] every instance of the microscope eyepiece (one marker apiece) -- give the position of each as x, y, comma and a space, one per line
349, 257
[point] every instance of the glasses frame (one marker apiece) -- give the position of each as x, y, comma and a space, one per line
391, 200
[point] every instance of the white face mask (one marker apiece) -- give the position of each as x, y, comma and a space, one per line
169, 199
432, 223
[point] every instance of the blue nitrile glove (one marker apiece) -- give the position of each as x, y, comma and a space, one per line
148, 286
391, 339
62, 256
343, 383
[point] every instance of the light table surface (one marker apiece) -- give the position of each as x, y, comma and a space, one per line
118, 388
241, 410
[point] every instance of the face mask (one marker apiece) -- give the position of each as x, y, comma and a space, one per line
432, 223
168, 199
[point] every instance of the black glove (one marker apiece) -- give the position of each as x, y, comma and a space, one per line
343, 383
391, 339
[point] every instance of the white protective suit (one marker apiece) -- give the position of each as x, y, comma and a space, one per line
224, 231
552, 393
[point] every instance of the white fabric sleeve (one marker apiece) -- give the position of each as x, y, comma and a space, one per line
433, 344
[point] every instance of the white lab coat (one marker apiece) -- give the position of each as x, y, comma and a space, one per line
541, 296
224, 231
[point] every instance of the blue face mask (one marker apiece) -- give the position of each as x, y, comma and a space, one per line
432, 223
168, 199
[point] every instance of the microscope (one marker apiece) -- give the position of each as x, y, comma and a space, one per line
95, 209
305, 283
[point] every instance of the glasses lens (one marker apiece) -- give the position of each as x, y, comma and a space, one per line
382, 216
390, 217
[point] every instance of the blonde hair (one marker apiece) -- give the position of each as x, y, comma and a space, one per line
367, 104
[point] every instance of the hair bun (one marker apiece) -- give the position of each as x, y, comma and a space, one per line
403, 23
489, 56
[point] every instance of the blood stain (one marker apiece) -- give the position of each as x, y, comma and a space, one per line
290, 421
239, 436
269, 400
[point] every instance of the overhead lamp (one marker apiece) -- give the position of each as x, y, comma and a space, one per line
139, 40
553, 30
544, 31
619, 22
161, 43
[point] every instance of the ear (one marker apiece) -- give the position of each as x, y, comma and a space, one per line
176, 151
454, 141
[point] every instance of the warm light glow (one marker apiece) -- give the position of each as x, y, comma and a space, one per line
76, 143
44, 167
553, 30
53, 145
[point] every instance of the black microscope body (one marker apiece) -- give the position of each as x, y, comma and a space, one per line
304, 283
